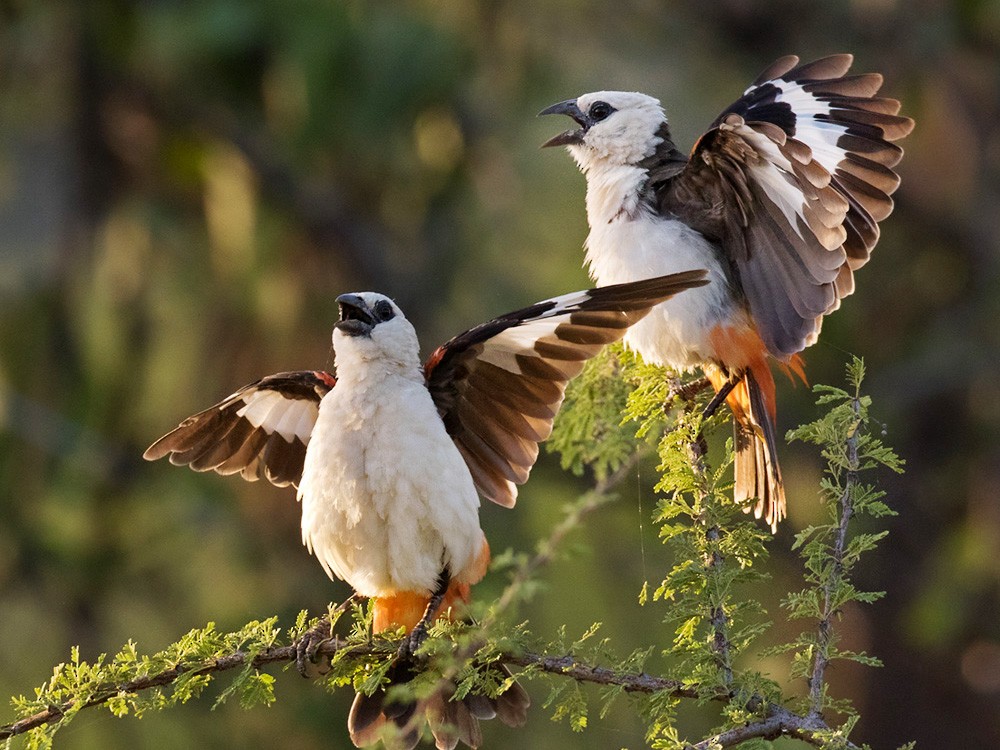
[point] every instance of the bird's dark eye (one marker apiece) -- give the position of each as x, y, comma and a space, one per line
383, 310
600, 110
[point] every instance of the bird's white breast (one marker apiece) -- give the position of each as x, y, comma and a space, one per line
629, 248
387, 500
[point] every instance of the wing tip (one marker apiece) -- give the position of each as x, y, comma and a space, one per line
153, 453
160, 448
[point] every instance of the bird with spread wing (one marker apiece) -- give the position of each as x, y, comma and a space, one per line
390, 458
779, 200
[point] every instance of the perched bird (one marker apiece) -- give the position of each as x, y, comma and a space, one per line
388, 456
779, 200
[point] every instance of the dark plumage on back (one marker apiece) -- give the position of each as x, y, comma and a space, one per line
779, 201
792, 180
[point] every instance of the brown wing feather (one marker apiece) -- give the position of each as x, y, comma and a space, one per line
499, 386
791, 181
261, 431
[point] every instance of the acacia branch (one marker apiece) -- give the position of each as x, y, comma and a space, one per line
779, 720
825, 627
565, 666
697, 449
103, 694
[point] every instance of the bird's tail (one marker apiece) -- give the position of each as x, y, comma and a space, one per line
450, 721
758, 485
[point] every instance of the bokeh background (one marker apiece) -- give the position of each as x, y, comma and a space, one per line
185, 187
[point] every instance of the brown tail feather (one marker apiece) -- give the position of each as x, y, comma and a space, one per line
757, 473
450, 721
512, 705
758, 485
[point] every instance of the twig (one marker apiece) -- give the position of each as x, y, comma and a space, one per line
697, 449
632, 683
718, 617
825, 627
596, 498
779, 721
224, 663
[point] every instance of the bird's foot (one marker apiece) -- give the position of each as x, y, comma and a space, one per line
307, 659
412, 642
309, 643
688, 391
719, 397
416, 637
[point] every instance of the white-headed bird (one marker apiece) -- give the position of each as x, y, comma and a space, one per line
779, 200
391, 456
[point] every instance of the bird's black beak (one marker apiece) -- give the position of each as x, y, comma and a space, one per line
570, 137
356, 319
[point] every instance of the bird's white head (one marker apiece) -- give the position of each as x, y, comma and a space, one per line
372, 329
616, 128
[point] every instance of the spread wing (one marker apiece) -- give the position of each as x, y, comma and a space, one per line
791, 180
260, 431
498, 386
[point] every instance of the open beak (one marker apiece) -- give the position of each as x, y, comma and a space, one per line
355, 317
570, 137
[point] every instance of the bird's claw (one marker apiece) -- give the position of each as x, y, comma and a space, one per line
307, 647
411, 643
688, 391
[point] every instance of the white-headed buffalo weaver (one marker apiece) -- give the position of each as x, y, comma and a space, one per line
780, 201
390, 457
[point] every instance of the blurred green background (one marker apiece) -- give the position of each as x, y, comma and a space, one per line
185, 187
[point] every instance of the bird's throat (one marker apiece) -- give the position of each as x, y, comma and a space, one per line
613, 193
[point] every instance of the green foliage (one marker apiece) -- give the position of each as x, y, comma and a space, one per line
129, 683
718, 551
716, 554
850, 448
715, 545
588, 429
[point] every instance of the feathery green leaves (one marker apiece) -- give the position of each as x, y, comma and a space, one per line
712, 621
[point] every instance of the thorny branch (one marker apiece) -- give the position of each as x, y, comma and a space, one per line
696, 454
777, 720
825, 628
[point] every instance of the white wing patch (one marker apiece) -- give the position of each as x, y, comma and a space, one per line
566, 303
501, 350
786, 195
270, 410
819, 135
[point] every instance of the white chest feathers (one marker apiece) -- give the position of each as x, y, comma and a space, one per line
676, 332
387, 500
